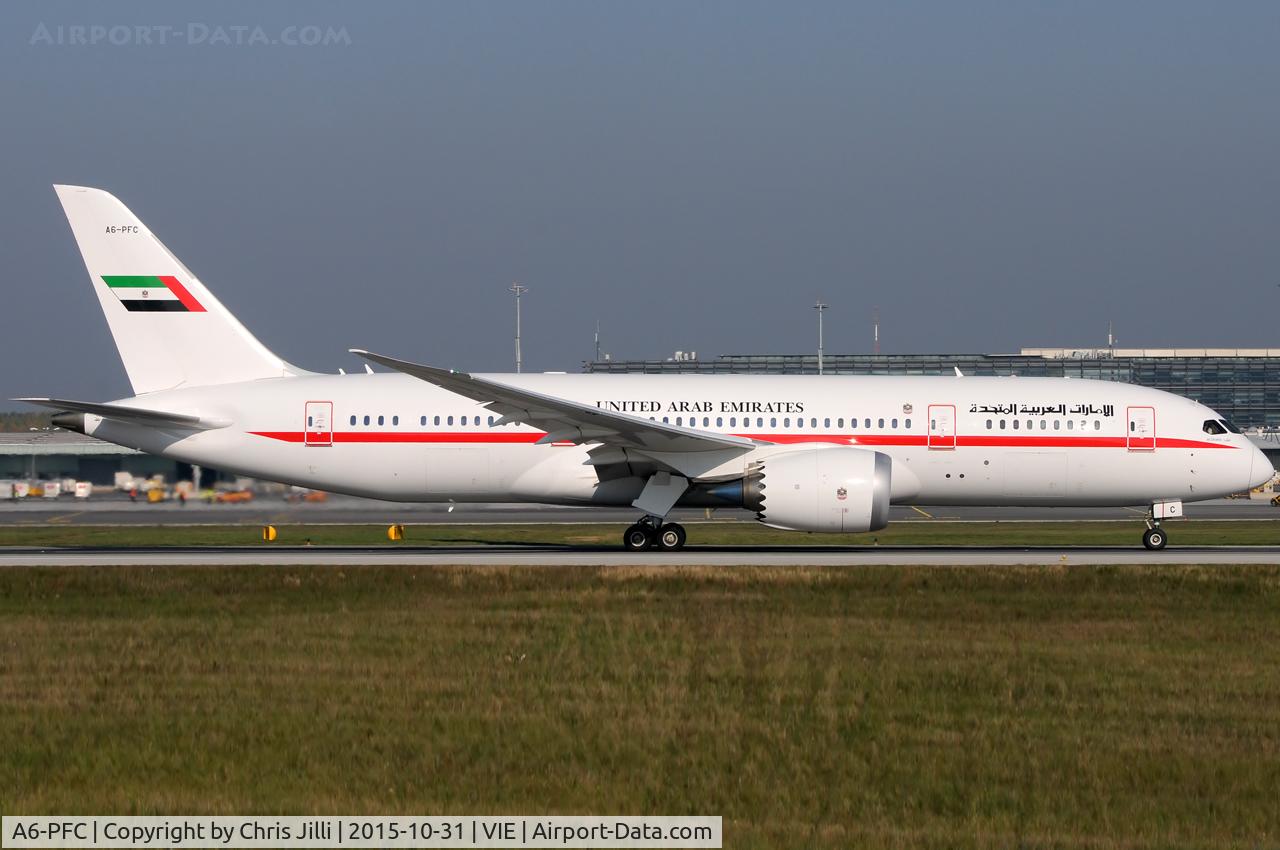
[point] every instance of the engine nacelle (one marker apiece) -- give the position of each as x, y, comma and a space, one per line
832, 489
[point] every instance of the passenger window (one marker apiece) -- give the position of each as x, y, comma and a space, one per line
786, 423
366, 419
450, 420
853, 423
309, 422
422, 420
733, 422
353, 420
706, 422
490, 421
773, 422
907, 424
840, 422
893, 423
437, 420
1002, 421
1057, 424
1211, 427
1015, 424
988, 424
719, 422
395, 420
1071, 424
866, 423
380, 420
813, 423
759, 421
881, 425
1097, 425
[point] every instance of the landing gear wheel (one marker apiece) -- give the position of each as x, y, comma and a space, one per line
1154, 538
671, 537
637, 538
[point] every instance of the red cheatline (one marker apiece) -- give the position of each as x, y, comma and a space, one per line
868, 440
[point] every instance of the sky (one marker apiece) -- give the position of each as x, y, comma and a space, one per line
691, 175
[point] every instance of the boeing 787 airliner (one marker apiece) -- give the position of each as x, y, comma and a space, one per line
805, 453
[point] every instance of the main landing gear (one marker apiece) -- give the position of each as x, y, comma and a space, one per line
1154, 537
652, 533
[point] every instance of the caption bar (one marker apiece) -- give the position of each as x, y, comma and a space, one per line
411, 832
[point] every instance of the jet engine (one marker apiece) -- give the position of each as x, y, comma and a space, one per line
833, 489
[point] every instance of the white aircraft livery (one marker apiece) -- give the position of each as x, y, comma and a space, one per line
806, 453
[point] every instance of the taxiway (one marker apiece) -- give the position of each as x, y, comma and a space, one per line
727, 556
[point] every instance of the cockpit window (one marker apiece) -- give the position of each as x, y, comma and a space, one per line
1227, 424
1213, 426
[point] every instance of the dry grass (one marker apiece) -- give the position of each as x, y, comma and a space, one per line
882, 707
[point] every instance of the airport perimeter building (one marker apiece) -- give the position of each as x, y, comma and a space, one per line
1242, 384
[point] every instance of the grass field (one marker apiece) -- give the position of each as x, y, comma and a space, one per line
871, 707
1187, 532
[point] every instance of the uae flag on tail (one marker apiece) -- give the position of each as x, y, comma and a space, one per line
149, 294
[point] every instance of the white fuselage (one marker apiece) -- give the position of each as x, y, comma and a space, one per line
981, 441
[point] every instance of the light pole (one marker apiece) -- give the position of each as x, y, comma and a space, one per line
518, 290
821, 308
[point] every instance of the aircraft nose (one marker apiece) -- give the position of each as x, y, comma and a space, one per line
1261, 470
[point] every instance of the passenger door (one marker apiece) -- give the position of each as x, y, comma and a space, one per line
942, 426
319, 424
1141, 436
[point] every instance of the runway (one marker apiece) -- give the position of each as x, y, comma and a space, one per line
727, 556
118, 510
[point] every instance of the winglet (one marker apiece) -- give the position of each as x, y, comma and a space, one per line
417, 370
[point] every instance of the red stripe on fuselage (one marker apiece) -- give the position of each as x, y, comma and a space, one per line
411, 436
870, 440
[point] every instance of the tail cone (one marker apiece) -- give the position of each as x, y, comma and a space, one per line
70, 421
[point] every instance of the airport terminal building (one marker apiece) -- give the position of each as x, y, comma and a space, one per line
1243, 384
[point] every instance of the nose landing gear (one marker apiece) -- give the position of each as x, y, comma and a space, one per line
1155, 538
652, 533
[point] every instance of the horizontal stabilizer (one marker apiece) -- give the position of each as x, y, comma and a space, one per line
123, 413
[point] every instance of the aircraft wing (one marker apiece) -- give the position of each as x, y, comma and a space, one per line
124, 413
567, 421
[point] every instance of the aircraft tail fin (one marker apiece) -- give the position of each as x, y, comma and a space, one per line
170, 330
